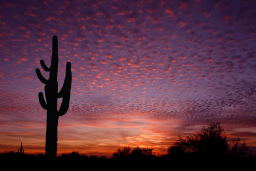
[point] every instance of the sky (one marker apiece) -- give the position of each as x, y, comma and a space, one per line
145, 72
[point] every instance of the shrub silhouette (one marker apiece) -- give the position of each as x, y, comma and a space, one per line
136, 153
210, 142
141, 152
239, 149
122, 153
52, 95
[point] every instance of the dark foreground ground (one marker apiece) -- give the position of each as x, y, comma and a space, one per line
12, 161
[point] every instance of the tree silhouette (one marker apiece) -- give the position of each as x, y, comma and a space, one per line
136, 153
210, 142
122, 153
141, 153
239, 149
52, 95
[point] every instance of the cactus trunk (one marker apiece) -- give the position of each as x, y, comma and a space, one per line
51, 96
51, 135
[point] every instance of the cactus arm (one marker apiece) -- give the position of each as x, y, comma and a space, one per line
64, 105
41, 100
40, 76
67, 82
65, 91
44, 66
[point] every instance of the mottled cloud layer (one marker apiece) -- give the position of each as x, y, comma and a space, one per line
145, 71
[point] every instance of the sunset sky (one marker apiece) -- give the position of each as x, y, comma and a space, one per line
144, 71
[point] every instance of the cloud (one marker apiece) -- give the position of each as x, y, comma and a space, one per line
21, 60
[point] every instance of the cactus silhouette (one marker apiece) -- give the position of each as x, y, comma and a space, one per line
51, 96
21, 149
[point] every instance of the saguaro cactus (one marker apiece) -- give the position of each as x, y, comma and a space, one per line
21, 149
52, 95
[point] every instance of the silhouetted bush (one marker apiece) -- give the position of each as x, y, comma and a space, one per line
141, 153
136, 153
210, 143
239, 149
122, 153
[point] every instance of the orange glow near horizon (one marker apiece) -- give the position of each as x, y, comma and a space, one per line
99, 138
104, 138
